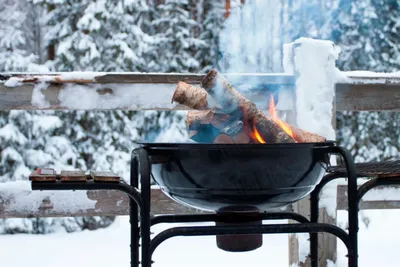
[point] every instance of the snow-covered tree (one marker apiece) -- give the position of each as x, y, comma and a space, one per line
114, 39
365, 31
309, 18
370, 136
175, 38
211, 16
353, 29
14, 52
101, 140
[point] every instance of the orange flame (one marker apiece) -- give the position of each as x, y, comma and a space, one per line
284, 126
257, 135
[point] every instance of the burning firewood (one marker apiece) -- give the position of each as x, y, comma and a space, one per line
239, 119
230, 100
208, 116
190, 96
302, 136
223, 139
242, 138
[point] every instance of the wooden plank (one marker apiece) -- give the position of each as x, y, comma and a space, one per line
357, 94
43, 175
104, 176
72, 176
107, 203
348, 97
114, 203
129, 77
368, 97
19, 98
302, 207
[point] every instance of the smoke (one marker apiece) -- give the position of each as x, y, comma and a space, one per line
251, 38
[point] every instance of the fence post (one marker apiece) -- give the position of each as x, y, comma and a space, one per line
313, 64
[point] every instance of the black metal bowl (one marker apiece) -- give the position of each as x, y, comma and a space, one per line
238, 177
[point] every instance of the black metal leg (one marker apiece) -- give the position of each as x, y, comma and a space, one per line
145, 169
187, 218
133, 215
132, 192
264, 229
352, 204
314, 198
314, 208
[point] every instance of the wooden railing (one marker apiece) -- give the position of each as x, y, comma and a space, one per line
359, 93
114, 203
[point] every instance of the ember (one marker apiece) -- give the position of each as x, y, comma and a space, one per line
236, 120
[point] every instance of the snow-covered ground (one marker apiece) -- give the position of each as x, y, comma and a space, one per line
379, 245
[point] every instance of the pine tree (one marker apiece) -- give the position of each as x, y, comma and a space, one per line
14, 54
116, 33
175, 39
370, 136
353, 30
365, 31
309, 18
86, 140
386, 28
211, 17
73, 49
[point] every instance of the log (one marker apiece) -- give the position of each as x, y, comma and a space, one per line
223, 139
209, 116
302, 136
205, 125
242, 138
231, 100
190, 96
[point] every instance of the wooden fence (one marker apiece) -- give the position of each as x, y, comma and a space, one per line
116, 203
358, 93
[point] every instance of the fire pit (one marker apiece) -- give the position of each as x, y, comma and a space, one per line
233, 179
241, 177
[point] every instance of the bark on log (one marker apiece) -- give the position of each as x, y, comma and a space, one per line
302, 136
231, 100
190, 96
209, 116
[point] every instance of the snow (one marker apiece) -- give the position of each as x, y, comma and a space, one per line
45, 123
74, 96
372, 74
387, 193
13, 82
38, 98
21, 198
377, 247
368, 77
81, 75
314, 62
10, 132
10, 153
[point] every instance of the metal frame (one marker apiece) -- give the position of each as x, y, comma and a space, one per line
141, 170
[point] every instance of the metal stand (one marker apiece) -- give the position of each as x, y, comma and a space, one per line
141, 169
